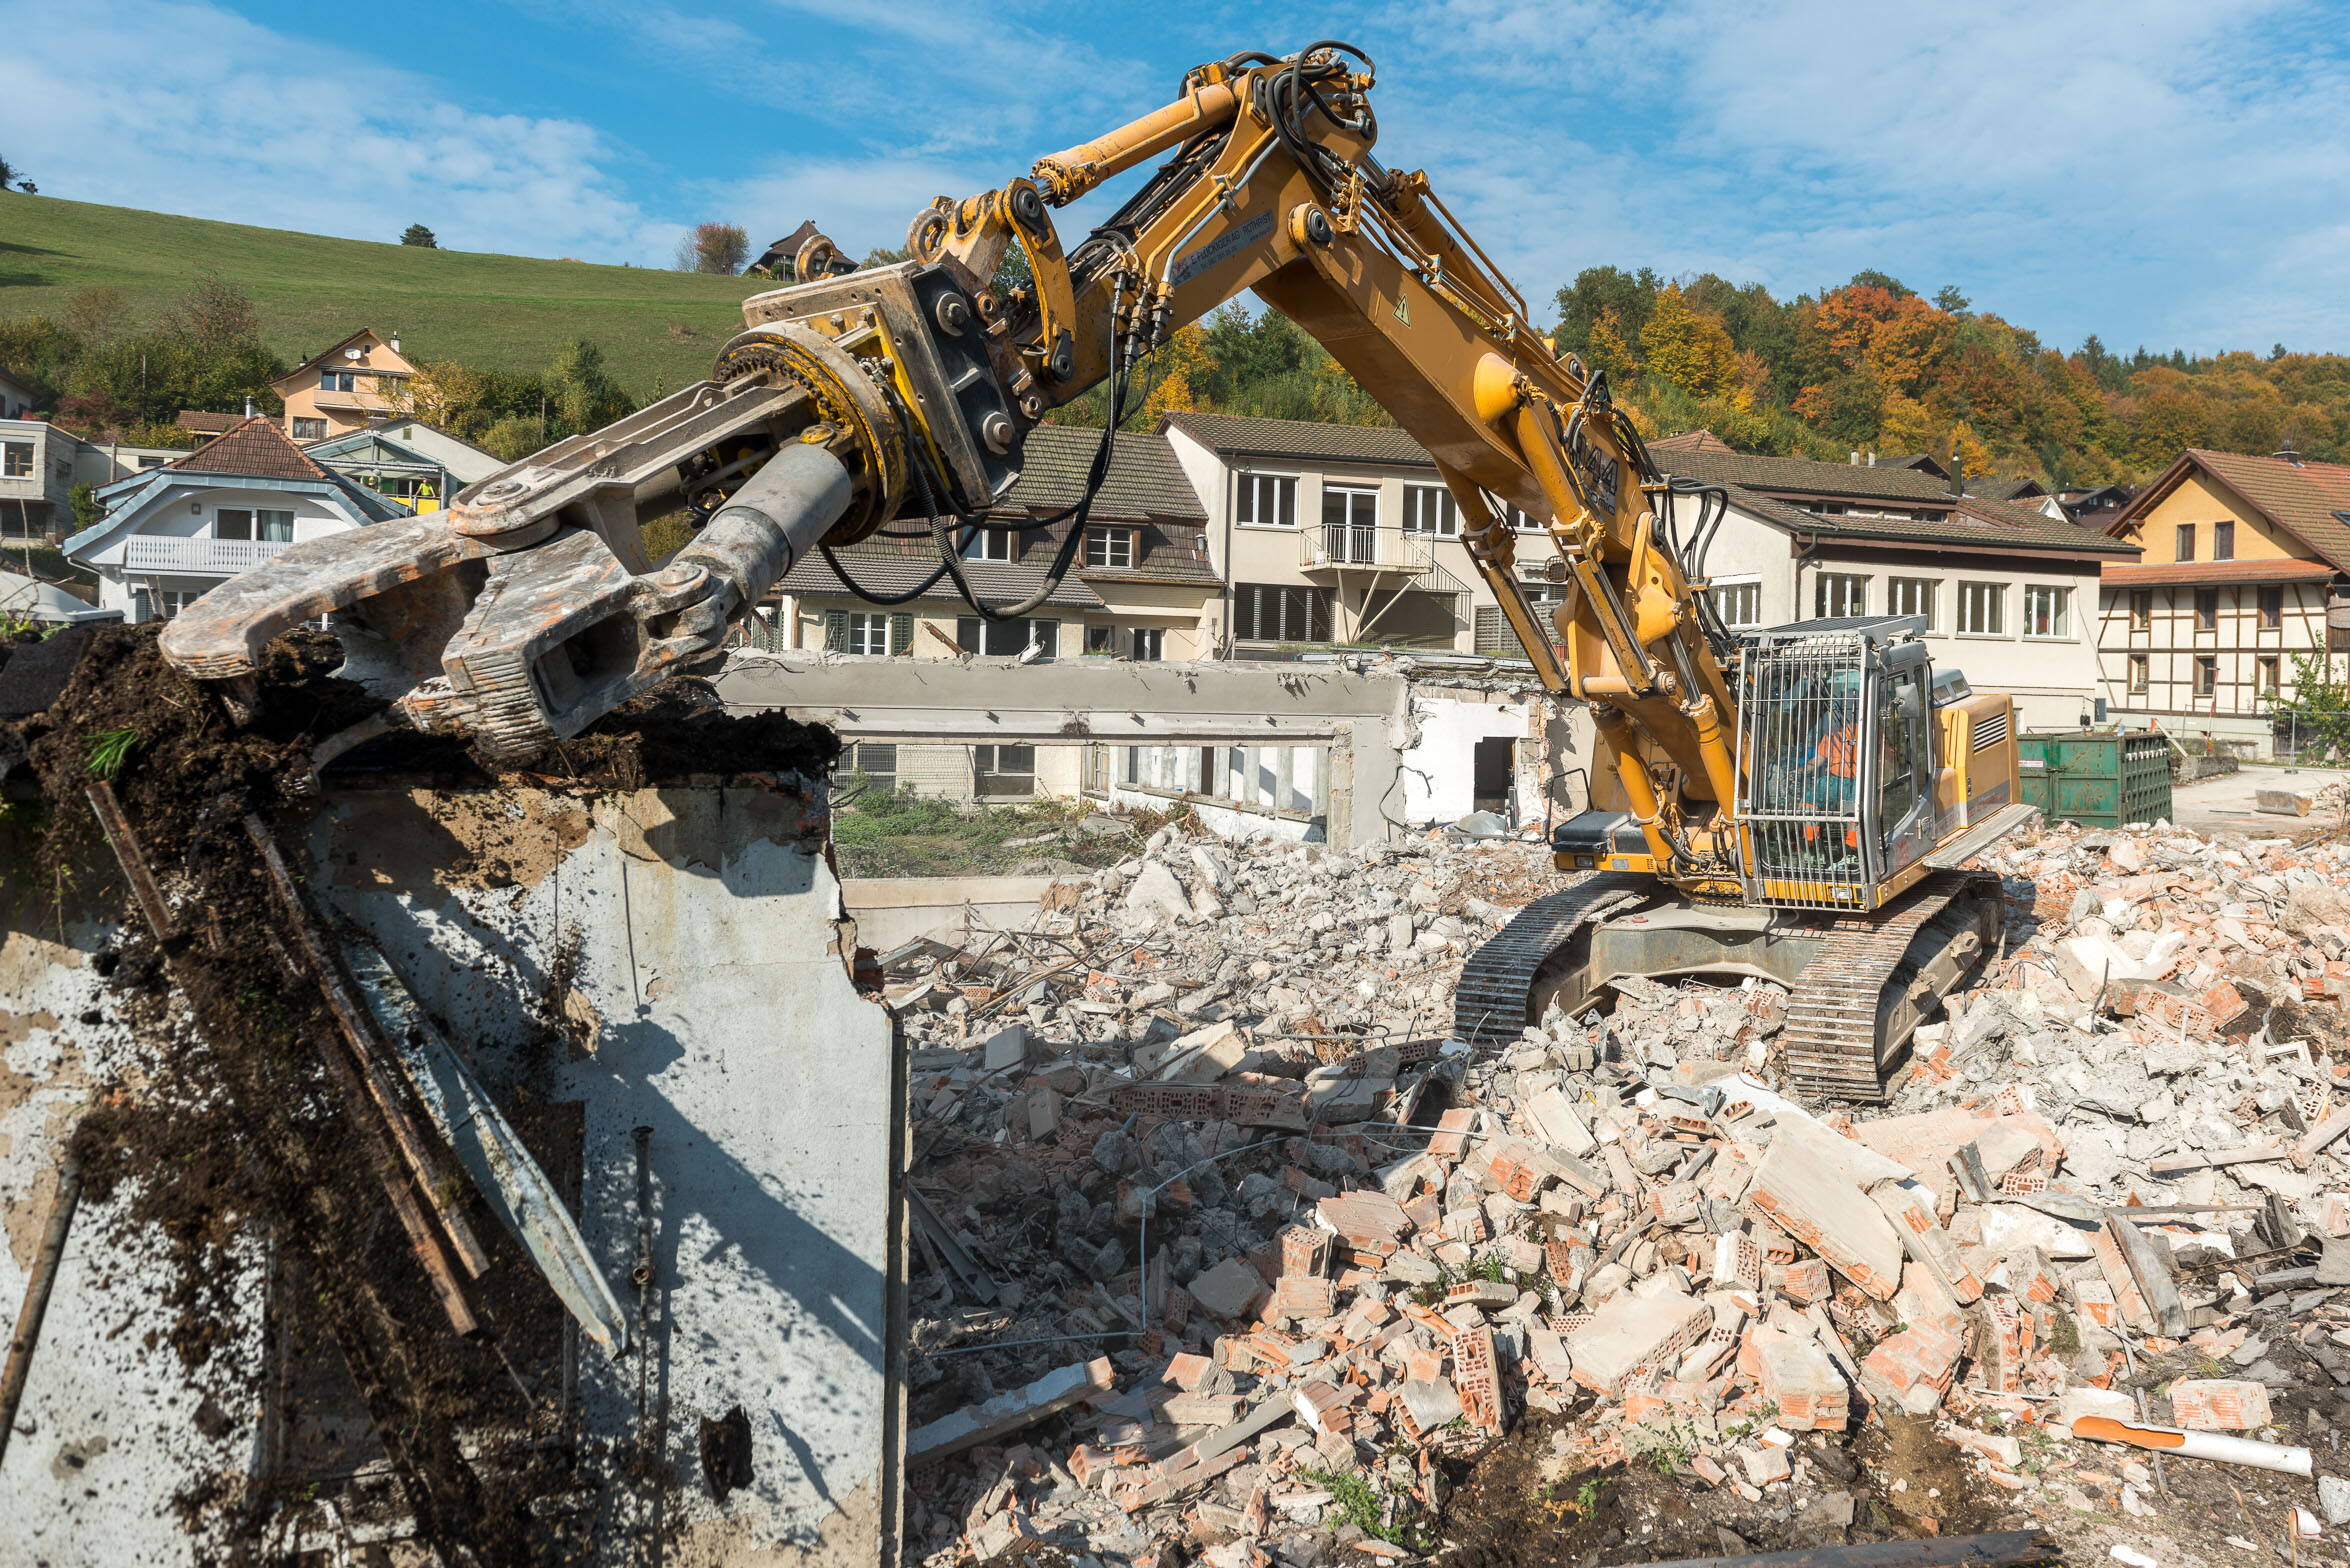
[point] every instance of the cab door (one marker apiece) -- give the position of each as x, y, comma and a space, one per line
1903, 785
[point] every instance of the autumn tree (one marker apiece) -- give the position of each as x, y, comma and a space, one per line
1689, 349
715, 248
444, 394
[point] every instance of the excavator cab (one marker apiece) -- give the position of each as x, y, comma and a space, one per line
1837, 784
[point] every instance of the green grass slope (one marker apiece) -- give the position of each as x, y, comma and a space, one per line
492, 312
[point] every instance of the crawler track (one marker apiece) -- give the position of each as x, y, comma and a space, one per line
1836, 1037
1497, 983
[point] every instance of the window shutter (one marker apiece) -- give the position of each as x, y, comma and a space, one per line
836, 630
901, 632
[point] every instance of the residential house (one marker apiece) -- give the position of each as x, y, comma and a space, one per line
2245, 570
418, 465
2008, 593
41, 465
346, 388
1136, 584
17, 398
172, 533
1328, 534
2099, 508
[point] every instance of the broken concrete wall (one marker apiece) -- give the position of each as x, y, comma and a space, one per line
109, 1425
692, 946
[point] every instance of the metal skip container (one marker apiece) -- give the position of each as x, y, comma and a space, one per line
653, 987
2098, 778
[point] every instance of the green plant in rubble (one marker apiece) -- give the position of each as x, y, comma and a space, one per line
109, 751
1490, 1269
1357, 1501
1364, 1505
2065, 1337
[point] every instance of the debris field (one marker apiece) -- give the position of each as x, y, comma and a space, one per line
1226, 1255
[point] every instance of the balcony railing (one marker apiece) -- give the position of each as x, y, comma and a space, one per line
1342, 547
196, 557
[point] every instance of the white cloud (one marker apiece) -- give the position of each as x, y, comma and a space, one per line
184, 107
2160, 170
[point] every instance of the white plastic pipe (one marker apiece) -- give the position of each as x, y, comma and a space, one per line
2196, 1445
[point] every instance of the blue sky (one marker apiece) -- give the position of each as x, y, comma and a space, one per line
2161, 172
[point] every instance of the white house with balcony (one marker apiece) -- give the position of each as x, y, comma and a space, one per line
170, 534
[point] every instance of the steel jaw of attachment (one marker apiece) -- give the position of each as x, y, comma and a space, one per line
527, 611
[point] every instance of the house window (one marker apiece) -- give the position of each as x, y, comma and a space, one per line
2206, 674
1098, 639
2266, 668
1911, 596
1008, 639
16, 460
2047, 610
2141, 609
1739, 604
152, 462
309, 429
337, 381
988, 544
1150, 642
1003, 772
873, 760
1350, 524
1428, 509
2207, 609
2223, 541
1271, 612
1841, 593
2186, 549
1525, 522
1982, 609
1266, 501
164, 603
1109, 547
238, 523
2272, 608
868, 632
2138, 667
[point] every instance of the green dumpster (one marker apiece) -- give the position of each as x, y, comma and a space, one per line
2100, 779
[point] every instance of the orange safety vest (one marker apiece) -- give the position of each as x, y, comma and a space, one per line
1839, 752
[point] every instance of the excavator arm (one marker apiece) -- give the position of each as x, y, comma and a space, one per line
526, 610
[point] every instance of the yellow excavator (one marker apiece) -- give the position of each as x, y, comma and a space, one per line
1795, 803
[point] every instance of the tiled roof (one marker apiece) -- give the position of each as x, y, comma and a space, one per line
2005, 489
1303, 440
1176, 568
2305, 498
203, 423
1975, 521
255, 447
1808, 476
322, 355
1691, 441
1144, 479
2163, 574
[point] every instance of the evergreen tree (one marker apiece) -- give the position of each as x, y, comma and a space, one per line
417, 234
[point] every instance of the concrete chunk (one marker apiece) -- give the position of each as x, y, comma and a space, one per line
1008, 1412
1227, 1289
1824, 1208
1631, 1331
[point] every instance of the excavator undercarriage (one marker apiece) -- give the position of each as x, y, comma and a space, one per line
1860, 984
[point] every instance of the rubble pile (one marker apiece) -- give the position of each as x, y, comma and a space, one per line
1333, 1260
